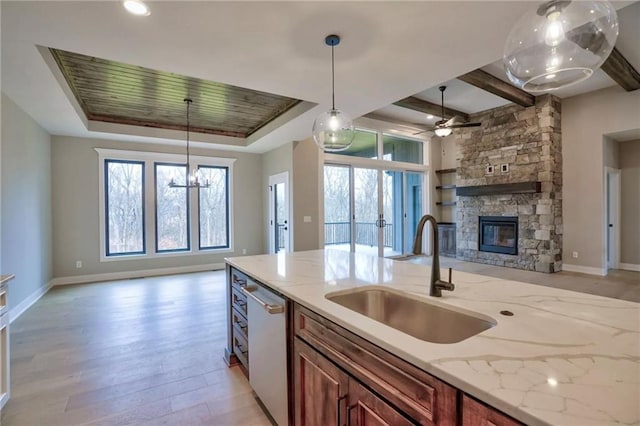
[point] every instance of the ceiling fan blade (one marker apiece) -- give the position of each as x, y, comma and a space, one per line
423, 131
458, 126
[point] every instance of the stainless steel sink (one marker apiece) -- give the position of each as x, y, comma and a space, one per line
418, 318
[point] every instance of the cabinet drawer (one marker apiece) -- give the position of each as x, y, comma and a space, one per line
475, 413
241, 349
239, 301
421, 396
238, 279
238, 321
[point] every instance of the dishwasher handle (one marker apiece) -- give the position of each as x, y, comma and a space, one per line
272, 309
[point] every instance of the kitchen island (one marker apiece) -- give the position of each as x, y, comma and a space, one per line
562, 357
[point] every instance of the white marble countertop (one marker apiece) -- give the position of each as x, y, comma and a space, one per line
564, 358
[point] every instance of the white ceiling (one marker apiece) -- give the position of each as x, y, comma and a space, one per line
390, 50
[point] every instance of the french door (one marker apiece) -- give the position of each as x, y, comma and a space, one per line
371, 210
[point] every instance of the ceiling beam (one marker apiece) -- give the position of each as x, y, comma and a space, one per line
428, 108
487, 82
398, 122
621, 71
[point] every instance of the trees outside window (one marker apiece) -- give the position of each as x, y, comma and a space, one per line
124, 182
139, 210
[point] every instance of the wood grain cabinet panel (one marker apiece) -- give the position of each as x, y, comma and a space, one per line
475, 413
366, 409
421, 397
320, 389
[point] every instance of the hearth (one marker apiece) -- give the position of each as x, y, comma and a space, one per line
498, 234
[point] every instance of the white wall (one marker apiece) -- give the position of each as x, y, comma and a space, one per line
586, 121
76, 225
26, 203
630, 202
307, 191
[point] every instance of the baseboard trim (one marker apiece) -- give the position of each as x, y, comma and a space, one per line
630, 267
82, 279
15, 313
584, 269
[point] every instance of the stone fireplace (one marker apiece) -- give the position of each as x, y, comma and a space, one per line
511, 167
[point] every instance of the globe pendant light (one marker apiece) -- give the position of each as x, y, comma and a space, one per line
333, 130
442, 131
559, 44
193, 178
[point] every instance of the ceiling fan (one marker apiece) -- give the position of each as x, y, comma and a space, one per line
444, 127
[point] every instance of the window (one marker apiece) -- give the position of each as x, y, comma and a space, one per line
214, 208
172, 209
397, 148
124, 181
140, 215
388, 147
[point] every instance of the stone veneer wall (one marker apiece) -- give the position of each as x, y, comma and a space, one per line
529, 141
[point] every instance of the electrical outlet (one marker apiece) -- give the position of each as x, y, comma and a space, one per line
574, 254
78, 264
307, 219
244, 251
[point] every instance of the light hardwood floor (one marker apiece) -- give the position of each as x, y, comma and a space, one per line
144, 351
149, 351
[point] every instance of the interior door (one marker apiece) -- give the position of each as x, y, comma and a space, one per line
613, 218
279, 223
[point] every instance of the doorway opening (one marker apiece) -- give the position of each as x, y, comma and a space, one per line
612, 217
279, 223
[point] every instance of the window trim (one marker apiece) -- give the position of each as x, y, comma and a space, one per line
150, 158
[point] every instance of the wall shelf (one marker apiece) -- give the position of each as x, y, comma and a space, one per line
503, 188
444, 171
446, 187
445, 203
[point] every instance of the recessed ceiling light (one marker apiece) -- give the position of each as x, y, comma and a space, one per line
430, 117
136, 7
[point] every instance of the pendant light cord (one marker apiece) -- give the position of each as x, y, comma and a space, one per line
188, 101
333, 80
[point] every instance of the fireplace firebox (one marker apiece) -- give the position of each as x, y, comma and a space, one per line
498, 234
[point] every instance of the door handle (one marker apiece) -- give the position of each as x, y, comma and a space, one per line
611, 225
272, 309
286, 229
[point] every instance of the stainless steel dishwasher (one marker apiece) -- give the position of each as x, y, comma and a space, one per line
266, 315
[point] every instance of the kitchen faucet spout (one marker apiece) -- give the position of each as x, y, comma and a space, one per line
436, 285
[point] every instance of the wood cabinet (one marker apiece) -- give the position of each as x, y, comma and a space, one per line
366, 409
320, 390
237, 350
475, 413
336, 378
402, 392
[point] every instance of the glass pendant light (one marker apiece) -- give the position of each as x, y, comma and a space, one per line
333, 130
560, 43
193, 178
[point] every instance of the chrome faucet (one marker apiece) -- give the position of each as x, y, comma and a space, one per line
436, 285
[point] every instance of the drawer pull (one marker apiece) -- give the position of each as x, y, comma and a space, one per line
272, 309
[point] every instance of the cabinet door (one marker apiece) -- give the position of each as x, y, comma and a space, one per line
366, 409
475, 413
320, 389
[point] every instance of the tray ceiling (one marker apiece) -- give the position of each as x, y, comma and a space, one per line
116, 92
